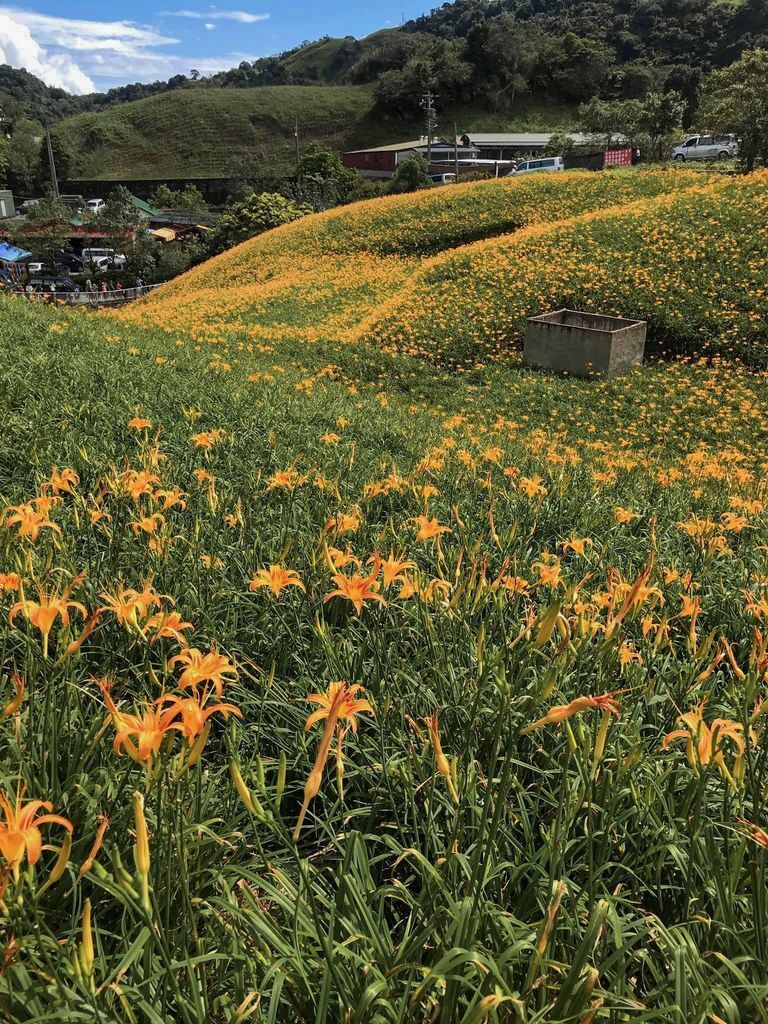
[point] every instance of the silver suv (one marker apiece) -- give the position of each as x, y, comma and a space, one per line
706, 147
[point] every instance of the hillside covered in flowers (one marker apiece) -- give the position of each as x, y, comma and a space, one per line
353, 672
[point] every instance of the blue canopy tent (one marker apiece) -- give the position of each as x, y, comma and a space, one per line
11, 258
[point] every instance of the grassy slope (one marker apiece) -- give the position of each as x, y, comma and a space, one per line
321, 60
414, 901
199, 132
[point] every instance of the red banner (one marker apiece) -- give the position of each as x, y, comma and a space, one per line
618, 157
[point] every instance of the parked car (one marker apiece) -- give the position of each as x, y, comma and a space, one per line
70, 260
544, 163
27, 206
75, 203
94, 206
35, 267
115, 259
443, 179
46, 281
706, 147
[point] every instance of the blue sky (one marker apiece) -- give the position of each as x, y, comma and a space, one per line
80, 45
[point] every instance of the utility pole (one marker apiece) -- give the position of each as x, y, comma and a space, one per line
456, 150
427, 104
298, 146
52, 162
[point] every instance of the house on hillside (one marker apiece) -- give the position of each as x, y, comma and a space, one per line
382, 161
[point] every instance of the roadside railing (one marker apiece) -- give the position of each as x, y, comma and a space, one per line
115, 297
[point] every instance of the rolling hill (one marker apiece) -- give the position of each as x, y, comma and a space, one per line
200, 132
347, 677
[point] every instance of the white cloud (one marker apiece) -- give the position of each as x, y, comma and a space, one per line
73, 52
21, 50
209, 25
242, 16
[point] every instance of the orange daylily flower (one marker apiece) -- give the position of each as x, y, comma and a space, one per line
338, 703
30, 521
339, 559
393, 569
9, 581
193, 714
285, 479
148, 524
61, 481
20, 832
204, 668
705, 743
560, 712
135, 482
358, 589
141, 736
342, 523
207, 438
168, 625
171, 498
138, 423
129, 606
429, 528
277, 579
532, 486
50, 605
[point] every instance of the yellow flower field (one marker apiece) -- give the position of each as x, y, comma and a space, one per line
355, 673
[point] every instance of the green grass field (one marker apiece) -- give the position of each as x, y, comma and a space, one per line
200, 133
549, 806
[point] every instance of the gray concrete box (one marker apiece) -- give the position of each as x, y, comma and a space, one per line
584, 344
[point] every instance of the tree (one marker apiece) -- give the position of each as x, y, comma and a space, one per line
49, 229
608, 118
503, 52
122, 224
253, 216
324, 169
4, 158
163, 198
661, 118
736, 101
24, 155
411, 175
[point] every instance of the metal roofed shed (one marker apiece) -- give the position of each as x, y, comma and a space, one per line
507, 145
145, 209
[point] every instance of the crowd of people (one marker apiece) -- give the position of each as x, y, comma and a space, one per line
48, 291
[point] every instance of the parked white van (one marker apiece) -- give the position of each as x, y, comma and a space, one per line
94, 206
443, 179
544, 163
117, 259
706, 147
